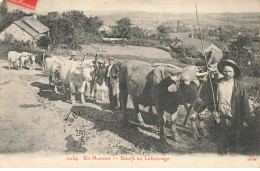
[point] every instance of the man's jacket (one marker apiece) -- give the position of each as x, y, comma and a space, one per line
113, 75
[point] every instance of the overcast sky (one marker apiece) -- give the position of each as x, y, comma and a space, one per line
173, 6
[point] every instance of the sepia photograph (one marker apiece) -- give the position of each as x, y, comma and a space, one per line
129, 84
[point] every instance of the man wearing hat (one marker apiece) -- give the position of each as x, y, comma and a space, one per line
112, 73
233, 107
72, 56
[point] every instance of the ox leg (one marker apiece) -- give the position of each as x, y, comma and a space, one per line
150, 110
13, 64
86, 87
9, 64
55, 83
42, 64
139, 116
32, 67
50, 80
162, 121
174, 132
18, 65
194, 127
123, 102
21, 66
93, 91
55, 88
25, 66
82, 90
73, 92
103, 85
63, 88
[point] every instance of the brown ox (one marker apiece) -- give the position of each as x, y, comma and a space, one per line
164, 87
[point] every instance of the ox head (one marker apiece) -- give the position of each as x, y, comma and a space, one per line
85, 70
56, 66
187, 83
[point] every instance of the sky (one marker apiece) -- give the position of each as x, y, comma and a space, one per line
169, 6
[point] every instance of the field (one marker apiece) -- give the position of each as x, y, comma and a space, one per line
129, 52
151, 21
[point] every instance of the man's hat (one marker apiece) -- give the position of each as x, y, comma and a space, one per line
73, 54
111, 58
231, 63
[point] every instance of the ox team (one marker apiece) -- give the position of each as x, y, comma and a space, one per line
163, 86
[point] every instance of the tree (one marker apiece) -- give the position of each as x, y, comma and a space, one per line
163, 31
137, 33
123, 28
186, 51
43, 42
9, 18
241, 54
3, 10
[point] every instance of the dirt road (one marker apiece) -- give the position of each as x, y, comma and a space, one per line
35, 119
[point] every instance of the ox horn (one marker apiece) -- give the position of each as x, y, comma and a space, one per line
174, 78
201, 74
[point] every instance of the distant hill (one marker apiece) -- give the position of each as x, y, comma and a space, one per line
152, 20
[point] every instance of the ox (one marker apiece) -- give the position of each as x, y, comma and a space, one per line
26, 57
13, 57
163, 86
76, 74
53, 65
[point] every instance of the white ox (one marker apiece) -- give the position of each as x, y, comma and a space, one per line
13, 57
53, 65
26, 57
76, 74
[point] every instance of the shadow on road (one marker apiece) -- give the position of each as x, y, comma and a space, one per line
144, 137
47, 91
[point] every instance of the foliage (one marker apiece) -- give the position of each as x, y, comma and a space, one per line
71, 28
186, 50
10, 44
43, 42
240, 52
123, 28
163, 31
9, 18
